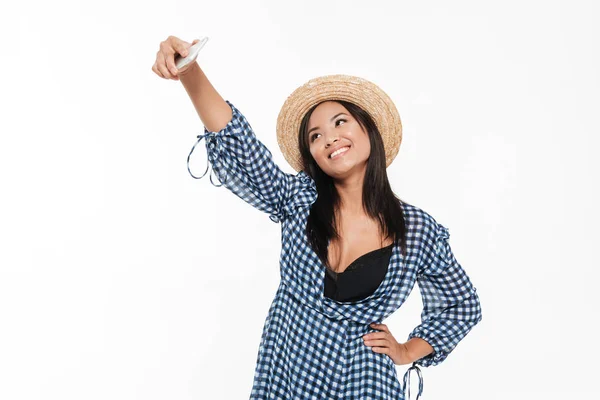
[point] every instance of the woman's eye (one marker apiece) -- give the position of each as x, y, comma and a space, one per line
312, 137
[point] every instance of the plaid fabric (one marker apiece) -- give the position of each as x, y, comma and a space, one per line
311, 345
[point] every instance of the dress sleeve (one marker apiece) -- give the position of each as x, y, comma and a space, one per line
451, 306
245, 166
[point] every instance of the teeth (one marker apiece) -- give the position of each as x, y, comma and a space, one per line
343, 149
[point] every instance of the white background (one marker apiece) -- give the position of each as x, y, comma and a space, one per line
122, 277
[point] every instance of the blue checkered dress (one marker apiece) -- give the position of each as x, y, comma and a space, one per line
311, 345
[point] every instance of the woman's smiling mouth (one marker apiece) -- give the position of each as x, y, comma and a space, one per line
338, 153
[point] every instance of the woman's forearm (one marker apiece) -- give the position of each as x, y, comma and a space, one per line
418, 348
214, 112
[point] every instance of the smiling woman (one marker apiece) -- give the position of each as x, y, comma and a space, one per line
351, 251
356, 199
336, 137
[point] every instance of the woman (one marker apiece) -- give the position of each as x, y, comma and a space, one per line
351, 250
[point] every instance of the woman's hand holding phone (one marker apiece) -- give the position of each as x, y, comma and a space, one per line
173, 51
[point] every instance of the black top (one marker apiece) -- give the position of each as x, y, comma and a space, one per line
361, 278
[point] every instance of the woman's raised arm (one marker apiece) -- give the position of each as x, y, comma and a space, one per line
212, 109
210, 106
243, 164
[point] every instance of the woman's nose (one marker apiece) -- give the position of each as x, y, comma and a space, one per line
331, 140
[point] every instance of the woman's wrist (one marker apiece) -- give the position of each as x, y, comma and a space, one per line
192, 70
418, 348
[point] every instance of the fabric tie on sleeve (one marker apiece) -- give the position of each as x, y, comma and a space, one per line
213, 140
407, 381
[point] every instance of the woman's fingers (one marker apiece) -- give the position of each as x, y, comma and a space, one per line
169, 59
162, 66
376, 335
384, 350
379, 339
378, 343
169, 55
161, 61
158, 67
165, 57
182, 48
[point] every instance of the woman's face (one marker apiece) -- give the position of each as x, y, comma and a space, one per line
330, 128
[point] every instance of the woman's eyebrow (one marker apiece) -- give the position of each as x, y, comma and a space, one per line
332, 118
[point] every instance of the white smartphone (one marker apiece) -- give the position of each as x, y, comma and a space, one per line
193, 51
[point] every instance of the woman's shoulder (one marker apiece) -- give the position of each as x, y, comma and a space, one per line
423, 224
417, 216
427, 236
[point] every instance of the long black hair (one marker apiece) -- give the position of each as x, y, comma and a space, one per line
379, 201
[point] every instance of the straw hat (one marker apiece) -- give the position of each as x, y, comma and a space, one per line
354, 89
